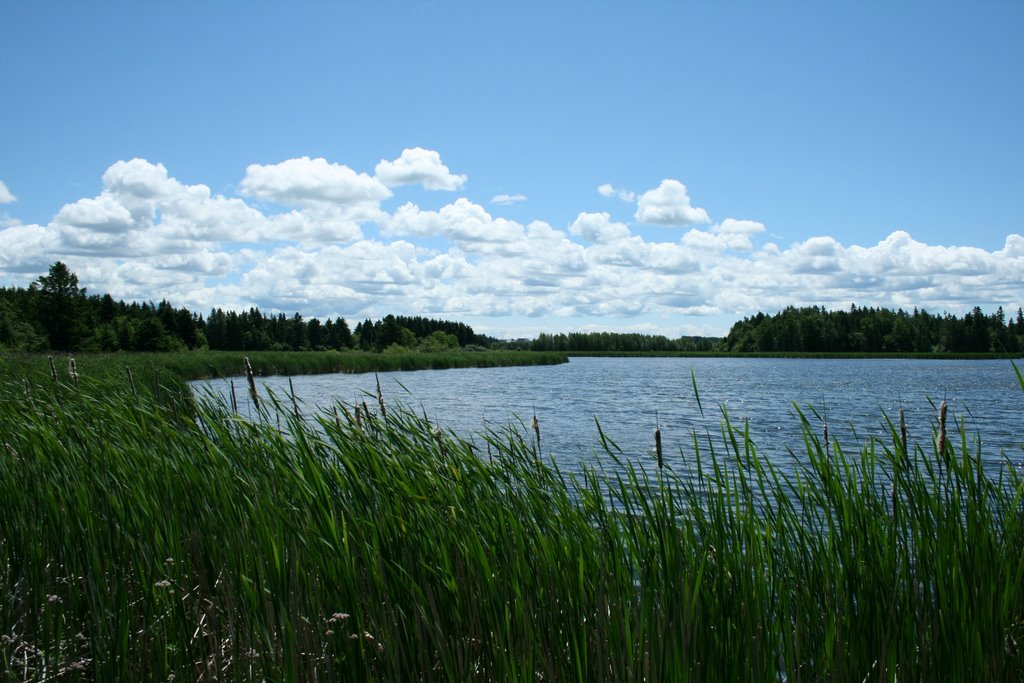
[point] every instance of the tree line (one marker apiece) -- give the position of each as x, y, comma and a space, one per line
877, 330
617, 342
55, 313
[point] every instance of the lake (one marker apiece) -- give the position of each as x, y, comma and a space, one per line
630, 397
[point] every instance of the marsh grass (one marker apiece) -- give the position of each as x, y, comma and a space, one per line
139, 543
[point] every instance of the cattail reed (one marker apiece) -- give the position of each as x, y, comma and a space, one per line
535, 425
380, 398
826, 440
234, 398
73, 370
252, 382
942, 429
903, 432
53, 370
657, 443
438, 435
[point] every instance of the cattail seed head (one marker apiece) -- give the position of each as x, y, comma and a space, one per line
380, 398
942, 428
251, 379
535, 425
657, 447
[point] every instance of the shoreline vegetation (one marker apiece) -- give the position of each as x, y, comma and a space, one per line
171, 370
145, 540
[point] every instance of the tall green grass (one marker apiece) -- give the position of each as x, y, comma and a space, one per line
137, 543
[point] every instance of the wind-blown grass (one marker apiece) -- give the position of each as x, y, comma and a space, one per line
137, 543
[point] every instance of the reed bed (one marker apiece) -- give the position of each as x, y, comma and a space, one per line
138, 543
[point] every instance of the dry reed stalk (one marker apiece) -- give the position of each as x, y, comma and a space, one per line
234, 398
73, 370
826, 441
359, 419
131, 380
53, 370
438, 435
380, 398
942, 429
251, 379
366, 414
536, 430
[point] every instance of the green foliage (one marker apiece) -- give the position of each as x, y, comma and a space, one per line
416, 332
56, 314
871, 330
439, 341
59, 307
613, 342
138, 543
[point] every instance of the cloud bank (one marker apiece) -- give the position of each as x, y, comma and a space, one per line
321, 238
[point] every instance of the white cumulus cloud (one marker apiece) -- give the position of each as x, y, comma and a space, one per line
669, 205
5, 195
731, 226
463, 221
598, 228
418, 166
334, 251
729, 234
25, 248
302, 181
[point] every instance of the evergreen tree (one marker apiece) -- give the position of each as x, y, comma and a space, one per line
60, 305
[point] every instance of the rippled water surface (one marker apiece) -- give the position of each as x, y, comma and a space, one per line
631, 396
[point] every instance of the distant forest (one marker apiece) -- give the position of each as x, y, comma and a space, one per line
55, 314
877, 330
604, 342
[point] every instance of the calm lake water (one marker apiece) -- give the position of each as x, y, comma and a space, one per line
631, 396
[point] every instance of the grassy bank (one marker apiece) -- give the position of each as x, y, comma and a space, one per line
135, 545
170, 370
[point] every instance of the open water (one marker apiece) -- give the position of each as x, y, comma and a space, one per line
630, 397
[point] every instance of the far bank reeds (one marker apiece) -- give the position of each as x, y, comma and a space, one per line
136, 545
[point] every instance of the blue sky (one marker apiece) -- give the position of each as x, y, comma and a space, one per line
523, 167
